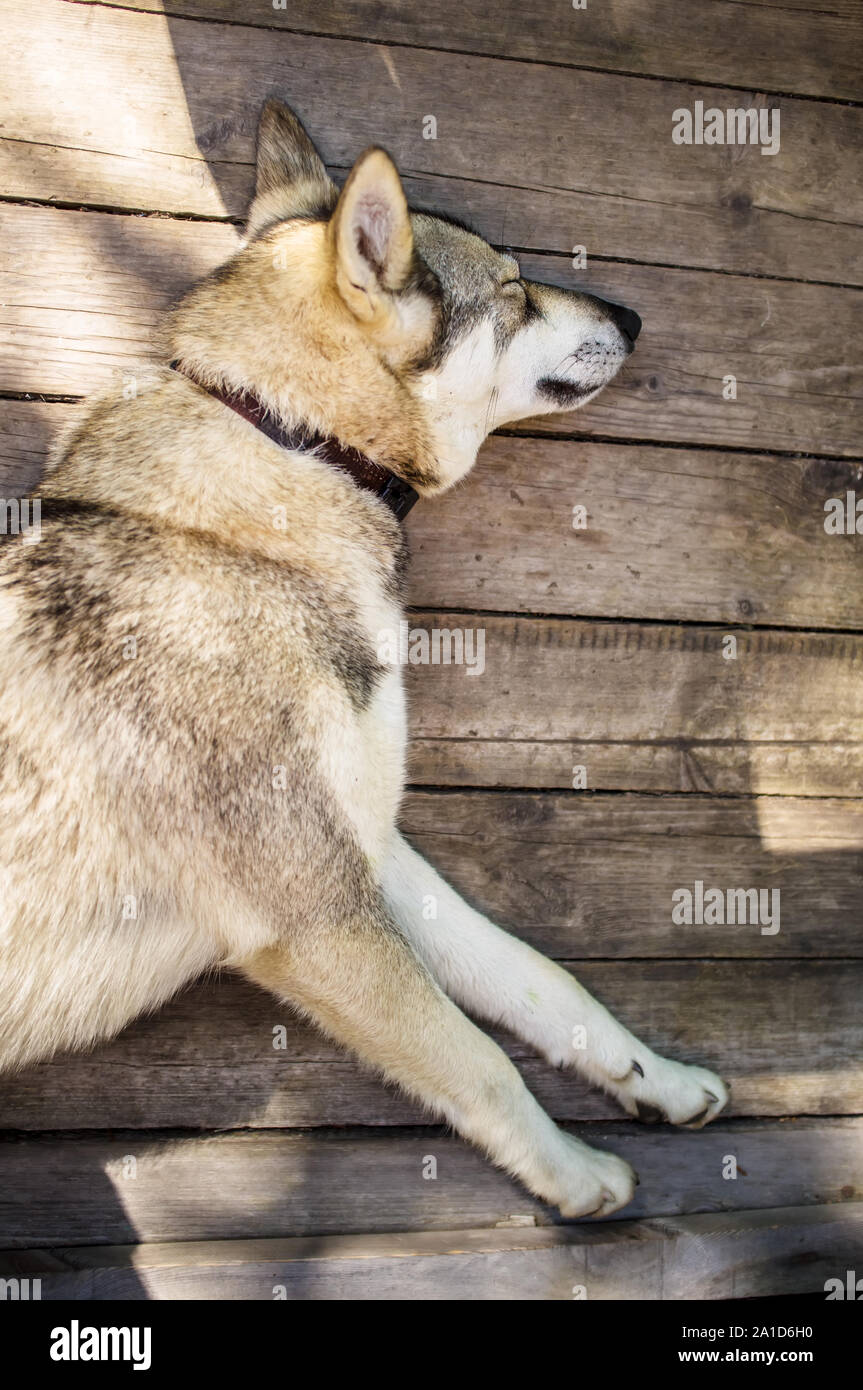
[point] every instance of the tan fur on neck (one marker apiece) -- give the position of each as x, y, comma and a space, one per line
273, 317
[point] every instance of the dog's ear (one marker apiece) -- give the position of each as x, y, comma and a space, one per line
286, 155
371, 236
291, 180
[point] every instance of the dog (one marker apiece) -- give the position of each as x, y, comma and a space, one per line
202, 752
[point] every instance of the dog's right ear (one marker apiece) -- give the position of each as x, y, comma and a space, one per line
291, 180
371, 236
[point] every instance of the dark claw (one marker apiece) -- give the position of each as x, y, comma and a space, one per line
711, 1096
693, 1119
648, 1114
637, 1068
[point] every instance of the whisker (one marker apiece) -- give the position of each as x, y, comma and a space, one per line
490, 409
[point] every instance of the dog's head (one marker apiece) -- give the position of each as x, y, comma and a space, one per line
401, 332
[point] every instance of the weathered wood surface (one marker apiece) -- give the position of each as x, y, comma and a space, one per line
28, 432
593, 876
670, 533
120, 109
787, 1035
84, 291
650, 708
800, 49
784, 1250
135, 111
139, 1187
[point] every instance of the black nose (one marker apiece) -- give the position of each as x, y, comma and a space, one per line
627, 320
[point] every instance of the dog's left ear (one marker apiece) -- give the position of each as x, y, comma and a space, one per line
371, 236
290, 180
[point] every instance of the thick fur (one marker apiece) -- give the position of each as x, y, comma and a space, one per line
202, 755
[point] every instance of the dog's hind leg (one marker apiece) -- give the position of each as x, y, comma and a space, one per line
502, 980
361, 981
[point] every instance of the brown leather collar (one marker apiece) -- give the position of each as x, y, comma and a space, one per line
398, 495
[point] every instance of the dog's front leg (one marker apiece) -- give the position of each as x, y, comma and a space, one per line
499, 978
360, 980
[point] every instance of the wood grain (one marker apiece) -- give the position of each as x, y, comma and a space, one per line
739, 265
650, 708
671, 533
784, 1250
787, 1035
29, 430
141, 1187
121, 109
83, 294
810, 50
592, 876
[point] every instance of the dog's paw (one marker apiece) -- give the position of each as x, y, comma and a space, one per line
590, 1182
657, 1089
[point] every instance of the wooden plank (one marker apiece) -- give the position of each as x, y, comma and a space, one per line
787, 1035
137, 1187
811, 51
594, 876
119, 109
785, 1250
756, 547
91, 306
669, 533
83, 293
29, 429
639, 707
